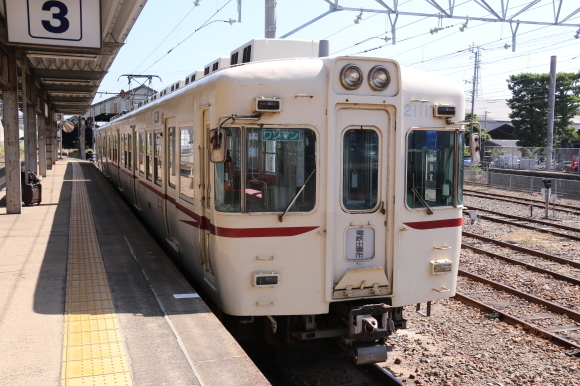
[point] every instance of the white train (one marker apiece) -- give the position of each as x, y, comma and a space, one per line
327, 190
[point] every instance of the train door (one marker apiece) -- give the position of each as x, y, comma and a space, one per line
170, 185
206, 171
360, 254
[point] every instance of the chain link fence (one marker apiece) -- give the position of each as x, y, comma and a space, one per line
526, 184
531, 158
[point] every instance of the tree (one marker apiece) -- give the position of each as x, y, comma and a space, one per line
529, 105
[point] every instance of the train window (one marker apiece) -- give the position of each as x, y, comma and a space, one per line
280, 162
171, 158
129, 151
142, 153
360, 169
227, 174
432, 173
124, 150
186, 163
247, 54
158, 145
116, 148
149, 156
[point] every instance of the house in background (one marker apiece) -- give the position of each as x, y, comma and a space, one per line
493, 115
106, 109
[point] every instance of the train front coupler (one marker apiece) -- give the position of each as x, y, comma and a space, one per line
369, 326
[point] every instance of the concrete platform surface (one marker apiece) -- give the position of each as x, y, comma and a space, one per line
147, 337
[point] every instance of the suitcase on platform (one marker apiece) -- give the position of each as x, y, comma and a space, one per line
32, 194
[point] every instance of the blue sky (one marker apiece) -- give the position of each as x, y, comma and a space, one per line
445, 52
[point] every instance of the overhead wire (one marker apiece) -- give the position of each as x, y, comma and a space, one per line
182, 41
190, 35
164, 39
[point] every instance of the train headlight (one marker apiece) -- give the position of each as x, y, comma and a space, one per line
379, 78
441, 266
351, 77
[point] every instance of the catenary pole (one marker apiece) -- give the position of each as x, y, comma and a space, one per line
270, 24
551, 104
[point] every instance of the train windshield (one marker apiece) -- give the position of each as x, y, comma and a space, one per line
270, 172
434, 168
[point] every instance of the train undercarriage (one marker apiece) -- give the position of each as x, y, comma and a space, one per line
360, 328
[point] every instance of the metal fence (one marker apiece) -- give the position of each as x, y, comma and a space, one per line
531, 158
527, 184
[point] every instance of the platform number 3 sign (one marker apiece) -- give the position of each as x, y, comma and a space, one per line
55, 19
55, 22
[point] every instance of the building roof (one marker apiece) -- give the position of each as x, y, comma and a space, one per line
501, 142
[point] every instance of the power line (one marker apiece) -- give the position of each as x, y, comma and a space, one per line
207, 22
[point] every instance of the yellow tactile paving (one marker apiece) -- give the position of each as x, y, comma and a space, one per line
76, 288
108, 379
96, 366
93, 352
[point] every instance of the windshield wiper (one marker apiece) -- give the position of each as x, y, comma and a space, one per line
281, 216
421, 200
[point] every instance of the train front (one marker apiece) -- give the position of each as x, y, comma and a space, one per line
355, 167
394, 218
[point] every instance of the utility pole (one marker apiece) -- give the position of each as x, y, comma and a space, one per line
475, 85
551, 104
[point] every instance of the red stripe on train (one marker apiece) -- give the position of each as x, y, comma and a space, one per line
262, 232
449, 223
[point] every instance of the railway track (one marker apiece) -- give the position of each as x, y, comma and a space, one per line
547, 319
523, 222
318, 365
531, 267
527, 251
538, 315
523, 201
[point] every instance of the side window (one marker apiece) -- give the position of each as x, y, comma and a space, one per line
129, 151
149, 156
186, 157
124, 150
115, 148
431, 168
171, 167
360, 169
157, 164
228, 174
141, 161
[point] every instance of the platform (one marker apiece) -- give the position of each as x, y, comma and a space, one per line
87, 297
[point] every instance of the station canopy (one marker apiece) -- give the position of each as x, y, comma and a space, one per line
67, 45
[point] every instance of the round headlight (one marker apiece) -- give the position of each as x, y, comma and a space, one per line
351, 77
379, 78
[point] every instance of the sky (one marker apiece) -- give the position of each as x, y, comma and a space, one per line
173, 38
